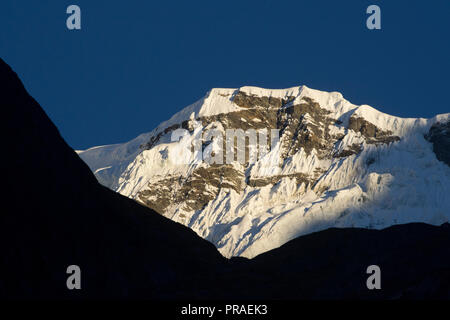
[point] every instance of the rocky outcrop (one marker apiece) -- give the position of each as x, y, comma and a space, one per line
194, 191
439, 136
355, 148
306, 125
372, 133
245, 100
272, 180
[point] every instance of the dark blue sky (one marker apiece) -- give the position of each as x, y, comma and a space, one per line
135, 63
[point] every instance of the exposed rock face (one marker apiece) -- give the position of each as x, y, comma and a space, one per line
272, 180
306, 125
351, 149
439, 135
335, 164
195, 191
246, 100
370, 131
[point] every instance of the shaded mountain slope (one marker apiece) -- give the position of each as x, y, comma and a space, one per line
414, 260
58, 215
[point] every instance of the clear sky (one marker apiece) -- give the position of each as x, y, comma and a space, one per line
135, 63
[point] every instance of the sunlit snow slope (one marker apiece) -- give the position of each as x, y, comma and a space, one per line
335, 165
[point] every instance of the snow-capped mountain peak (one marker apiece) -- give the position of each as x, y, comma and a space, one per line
333, 164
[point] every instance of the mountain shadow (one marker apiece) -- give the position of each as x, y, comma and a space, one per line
58, 215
